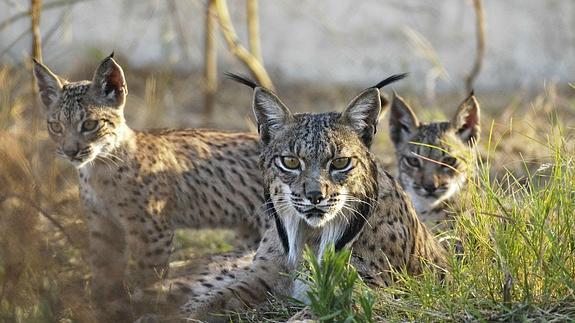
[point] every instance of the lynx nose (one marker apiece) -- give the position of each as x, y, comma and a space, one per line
71, 152
430, 188
314, 197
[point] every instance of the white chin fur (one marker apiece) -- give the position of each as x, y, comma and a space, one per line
317, 222
80, 164
422, 204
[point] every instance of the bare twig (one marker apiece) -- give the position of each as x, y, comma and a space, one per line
180, 30
27, 13
210, 59
14, 42
254, 29
249, 60
480, 32
40, 210
54, 28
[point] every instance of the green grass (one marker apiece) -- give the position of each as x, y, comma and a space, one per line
518, 228
519, 258
336, 292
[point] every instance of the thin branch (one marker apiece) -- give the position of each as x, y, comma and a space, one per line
40, 210
13, 43
480, 32
57, 25
254, 29
249, 60
210, 59
180, 30
27, 13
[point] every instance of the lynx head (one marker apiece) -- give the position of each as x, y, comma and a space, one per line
84, 118
319, 176
433, 159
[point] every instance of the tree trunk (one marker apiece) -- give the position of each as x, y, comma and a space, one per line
210, 60
35, 10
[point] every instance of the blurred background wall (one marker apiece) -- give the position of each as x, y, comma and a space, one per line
529, 42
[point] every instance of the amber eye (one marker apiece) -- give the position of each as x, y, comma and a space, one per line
89, 125
340, 163
413, 161
449, 161
55, 127
290, 162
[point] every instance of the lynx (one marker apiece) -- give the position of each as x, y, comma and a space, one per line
435, 159
323, 187
137, 187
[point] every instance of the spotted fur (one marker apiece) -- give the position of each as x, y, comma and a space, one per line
435, 159
138, 187
358, 206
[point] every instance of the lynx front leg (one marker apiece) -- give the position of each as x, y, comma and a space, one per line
150, 237
252, 285
108, 256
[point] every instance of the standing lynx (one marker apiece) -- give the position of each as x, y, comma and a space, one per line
323, 187
435, 159
137, 187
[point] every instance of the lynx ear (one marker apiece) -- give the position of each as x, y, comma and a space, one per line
402, 121
466, 120
271, 114
48, 83
109, 84
385, 105
362, 114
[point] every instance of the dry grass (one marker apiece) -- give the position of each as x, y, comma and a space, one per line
43, 272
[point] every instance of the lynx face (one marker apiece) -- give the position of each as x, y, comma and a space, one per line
84, 118
434, 159
318, 171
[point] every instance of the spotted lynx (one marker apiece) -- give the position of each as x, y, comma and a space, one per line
137, 187
435, 159
322, 186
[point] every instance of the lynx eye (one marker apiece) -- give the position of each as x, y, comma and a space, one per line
55, 127
89, 125
340, 163
290, 162
413, 161
449, 161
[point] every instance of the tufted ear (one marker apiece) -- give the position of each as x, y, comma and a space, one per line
402, 121
362, 114
109, 85
466, 120
48, 83
271, 114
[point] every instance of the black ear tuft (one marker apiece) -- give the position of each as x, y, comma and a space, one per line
392, 79
242, 79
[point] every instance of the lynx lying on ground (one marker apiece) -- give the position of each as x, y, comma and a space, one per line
435, 159
137, 187
322, 186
